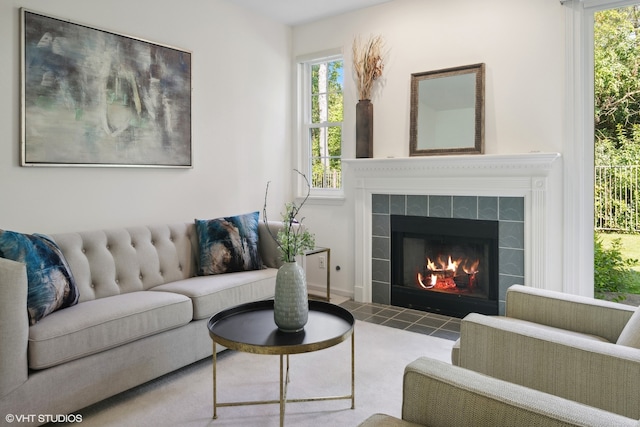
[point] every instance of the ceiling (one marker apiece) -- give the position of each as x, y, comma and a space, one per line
296, 12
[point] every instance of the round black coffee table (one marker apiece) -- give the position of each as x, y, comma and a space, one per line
250, 328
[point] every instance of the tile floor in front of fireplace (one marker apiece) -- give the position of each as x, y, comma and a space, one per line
404, 318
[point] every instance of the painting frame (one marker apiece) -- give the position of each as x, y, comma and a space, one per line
91, 97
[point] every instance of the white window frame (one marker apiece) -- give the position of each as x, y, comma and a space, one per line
302, 125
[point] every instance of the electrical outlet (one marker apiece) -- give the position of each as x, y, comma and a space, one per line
322, 262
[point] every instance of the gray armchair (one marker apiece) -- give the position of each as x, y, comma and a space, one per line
440, 395
581, 349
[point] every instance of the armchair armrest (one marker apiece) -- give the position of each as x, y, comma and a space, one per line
438, 394
595, 373
565, 311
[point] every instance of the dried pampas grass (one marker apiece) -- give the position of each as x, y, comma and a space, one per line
368, 63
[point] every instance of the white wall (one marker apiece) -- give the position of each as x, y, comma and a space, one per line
241, 121
242, 106
522, 43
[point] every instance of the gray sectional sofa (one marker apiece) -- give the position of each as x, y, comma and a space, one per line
142, 313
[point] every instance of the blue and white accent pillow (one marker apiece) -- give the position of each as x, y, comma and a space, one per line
51, 284
228, 244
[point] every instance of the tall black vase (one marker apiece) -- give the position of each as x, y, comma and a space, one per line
364, 129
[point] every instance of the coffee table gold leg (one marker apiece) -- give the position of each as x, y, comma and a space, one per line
215, 409
287, 380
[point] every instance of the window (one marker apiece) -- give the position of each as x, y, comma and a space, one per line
321, 108
579, 153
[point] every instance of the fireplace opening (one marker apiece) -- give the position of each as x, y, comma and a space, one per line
444, 265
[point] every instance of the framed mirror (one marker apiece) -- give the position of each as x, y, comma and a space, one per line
447, 111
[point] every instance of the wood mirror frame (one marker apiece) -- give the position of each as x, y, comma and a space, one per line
449, 98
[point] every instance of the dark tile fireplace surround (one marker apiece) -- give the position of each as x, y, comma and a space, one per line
507, 211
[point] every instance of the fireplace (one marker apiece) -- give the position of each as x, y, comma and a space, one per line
523, 192
444, 265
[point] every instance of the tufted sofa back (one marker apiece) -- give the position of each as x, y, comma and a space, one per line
112, 262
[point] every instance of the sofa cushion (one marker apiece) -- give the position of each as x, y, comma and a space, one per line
228, 244
51, 285
97, 325
630, 335
210, 294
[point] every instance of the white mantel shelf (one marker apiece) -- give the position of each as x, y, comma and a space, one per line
477, 175
524, 164
534, 176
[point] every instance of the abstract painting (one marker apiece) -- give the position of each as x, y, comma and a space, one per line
91, 97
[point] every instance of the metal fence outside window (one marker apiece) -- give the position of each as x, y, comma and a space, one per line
617, 198
329, 178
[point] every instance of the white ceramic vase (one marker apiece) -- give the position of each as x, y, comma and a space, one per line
291, 302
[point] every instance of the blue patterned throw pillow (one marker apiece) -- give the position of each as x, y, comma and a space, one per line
51, 284
228, 244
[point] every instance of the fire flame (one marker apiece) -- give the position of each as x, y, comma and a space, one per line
449, 266
432, 281
473, 268
442, 273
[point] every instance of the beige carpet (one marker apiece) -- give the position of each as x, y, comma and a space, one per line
184, 398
